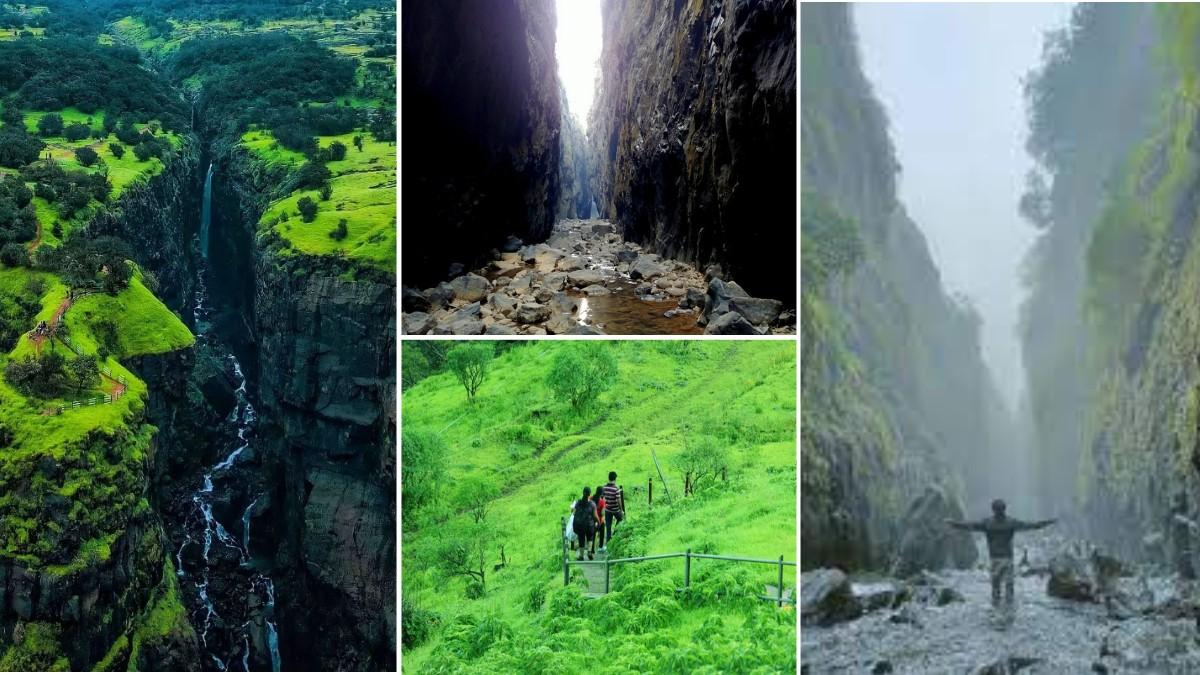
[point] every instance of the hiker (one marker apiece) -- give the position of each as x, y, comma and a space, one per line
999, 530
1182, 530
614, 506
598, 498
569, 530
584, 522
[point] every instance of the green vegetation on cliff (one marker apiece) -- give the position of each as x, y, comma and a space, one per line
514, 460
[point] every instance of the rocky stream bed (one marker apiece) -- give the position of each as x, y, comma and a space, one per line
586, 279
1068, 618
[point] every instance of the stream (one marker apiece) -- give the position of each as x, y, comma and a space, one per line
1148, 630
230, 599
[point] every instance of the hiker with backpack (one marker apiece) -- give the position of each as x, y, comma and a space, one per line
614, 506
584, 522
598, 499
569, 530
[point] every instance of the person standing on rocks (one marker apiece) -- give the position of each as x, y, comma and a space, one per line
999, 530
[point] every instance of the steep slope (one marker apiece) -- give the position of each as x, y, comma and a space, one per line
481, 122
1095, 97
693, 134
519, 456
896, 394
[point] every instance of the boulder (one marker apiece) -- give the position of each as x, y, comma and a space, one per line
502, 304
499, 329
731, 323
626, 256
417, 323
413, 300
555, 281
826, 598
570, 264
646, 267
527, 254
596, 289
603, 228
692, 297
716, 299
1082, 576
440, 296
880, 595
531, 312
563, 303
512, 244
582, 278
926, 542
470, 287
758, 311
468, 320
559, 324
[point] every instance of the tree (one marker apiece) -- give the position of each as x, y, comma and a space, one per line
143, 151
326, 191
475, 496
581, 372
702, 459
86, 156
84, 371
463, 552
14, 255
337, 151
469, 363
423, 456
18, 147
339, 233
50, 125
76, 132
307, 208
358, 143
117, 150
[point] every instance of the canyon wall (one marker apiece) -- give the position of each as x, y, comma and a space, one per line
693, 134
481, 126
575, 196
896, 395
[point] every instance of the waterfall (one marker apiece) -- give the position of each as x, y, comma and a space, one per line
246, 526
273, 644
206, 213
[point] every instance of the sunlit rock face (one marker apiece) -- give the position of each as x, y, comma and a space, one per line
693, 134
481, 129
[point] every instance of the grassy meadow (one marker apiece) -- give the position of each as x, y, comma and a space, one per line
529, 453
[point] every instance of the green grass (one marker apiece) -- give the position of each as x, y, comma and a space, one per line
364, 194
166, 618
740, 393
15, 33
143, 324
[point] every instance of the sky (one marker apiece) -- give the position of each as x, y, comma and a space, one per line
577, 47
950, 78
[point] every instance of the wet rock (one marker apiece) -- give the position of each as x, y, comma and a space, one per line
531, 312
555, 281
499, 329
585, 330
880, 595
906, 615
535, 330
826, 598
582, 278
470, 287
883, 666
413, 300
626, 257
559, 324
512, 244
523, 281
527, 254
758, 311
646, 267
927, 543
1006, 665
693, 297
731, 323
417, 323
603, 228
563, 303
570, 264
929, 589
1076, 575
596, 289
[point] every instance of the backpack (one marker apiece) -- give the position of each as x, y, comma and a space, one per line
585, 514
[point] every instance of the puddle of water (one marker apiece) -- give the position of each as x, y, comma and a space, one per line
623, 313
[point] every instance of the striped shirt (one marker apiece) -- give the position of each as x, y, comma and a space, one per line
614, 500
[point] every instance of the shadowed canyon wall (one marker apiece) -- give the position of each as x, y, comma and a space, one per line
693, 134
481, 130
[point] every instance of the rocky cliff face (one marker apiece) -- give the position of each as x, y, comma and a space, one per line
324, 338
693, 134
575, 197
481, 127
896, 394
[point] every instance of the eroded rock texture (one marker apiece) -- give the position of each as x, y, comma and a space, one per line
481, 129
575, 197
693, 134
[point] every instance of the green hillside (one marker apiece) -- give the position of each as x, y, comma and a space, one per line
522, 456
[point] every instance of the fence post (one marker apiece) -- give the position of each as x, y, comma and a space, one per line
687, 569
566, 571
781, 581
606, 576
650, 492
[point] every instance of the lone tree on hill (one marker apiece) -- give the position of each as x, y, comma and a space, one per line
469, 364
702, 459
581, 372
307, 208
86, 156
50, 125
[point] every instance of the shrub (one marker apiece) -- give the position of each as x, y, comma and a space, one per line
307, 208
581, 373
339, 233
14, 255
535, 598
86, 156
337, 151
326, 191
703, 458
416, 624
45, 191
76, 132
423, 456
50, 125
117, 150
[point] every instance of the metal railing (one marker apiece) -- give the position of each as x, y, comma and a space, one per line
687, 556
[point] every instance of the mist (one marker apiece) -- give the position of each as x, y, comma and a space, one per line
950, 79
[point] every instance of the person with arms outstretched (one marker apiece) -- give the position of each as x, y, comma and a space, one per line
999, 530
